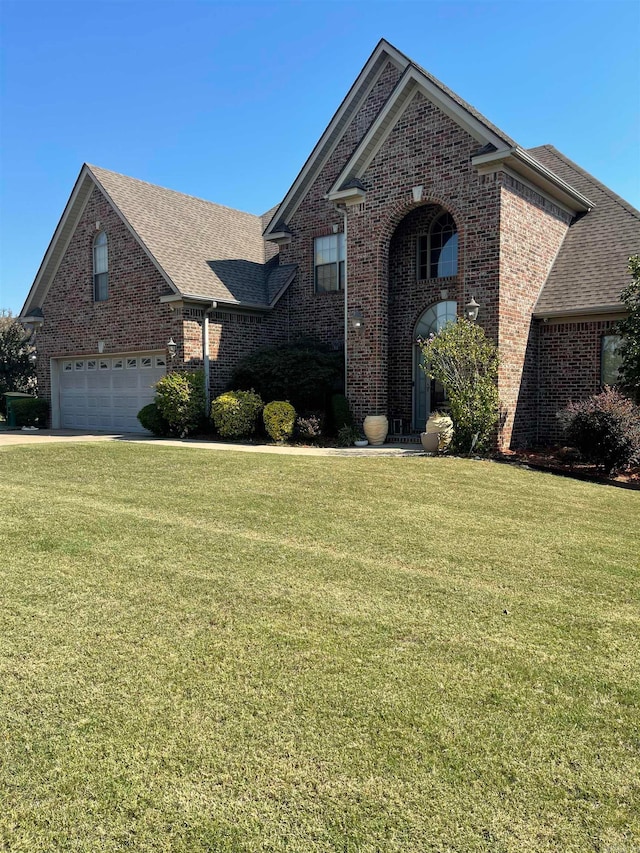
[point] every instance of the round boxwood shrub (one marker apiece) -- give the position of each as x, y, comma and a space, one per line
279, 420
234, 413
180, 400
152, 420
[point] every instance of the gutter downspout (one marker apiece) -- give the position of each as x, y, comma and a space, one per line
342, 209
205, 356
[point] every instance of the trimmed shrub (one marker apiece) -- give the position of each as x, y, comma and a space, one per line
180, 401
235, 413
151, 419
605, 429
279, 420
30, 411
303, 374
309, 427
465, 361
340, 412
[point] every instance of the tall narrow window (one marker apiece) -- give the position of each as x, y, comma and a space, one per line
438, 250
329, 258
100, 268
610, 359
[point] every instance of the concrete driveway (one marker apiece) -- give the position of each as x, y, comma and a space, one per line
51, 436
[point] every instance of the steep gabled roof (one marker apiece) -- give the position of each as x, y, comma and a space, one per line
326, 145
203, 250
591, 269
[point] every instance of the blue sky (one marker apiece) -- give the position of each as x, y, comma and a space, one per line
226, 100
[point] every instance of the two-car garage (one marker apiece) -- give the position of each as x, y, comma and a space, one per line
105, 392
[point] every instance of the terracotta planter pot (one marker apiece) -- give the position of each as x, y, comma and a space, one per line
376, 428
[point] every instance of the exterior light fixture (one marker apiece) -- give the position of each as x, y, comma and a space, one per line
33, 357
357, 320
471, 310
172, 346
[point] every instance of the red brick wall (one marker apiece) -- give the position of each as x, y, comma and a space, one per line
132, 318
425, 148
531, 232
569, 369
321, 316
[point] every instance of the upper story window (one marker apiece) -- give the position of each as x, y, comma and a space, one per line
328, 263
610, 359
100, 268
438, 250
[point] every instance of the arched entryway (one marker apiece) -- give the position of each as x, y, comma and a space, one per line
428, 395
425, 278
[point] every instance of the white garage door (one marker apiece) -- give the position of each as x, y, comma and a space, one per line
106, 393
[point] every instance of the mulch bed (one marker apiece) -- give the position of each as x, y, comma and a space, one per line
554, 461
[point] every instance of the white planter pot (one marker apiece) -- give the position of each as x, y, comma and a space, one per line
430, 441
439, 427
376, 428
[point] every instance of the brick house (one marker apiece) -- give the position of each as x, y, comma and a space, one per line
410, 205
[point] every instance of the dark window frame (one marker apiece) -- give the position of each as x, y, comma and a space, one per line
430, 248
100, 268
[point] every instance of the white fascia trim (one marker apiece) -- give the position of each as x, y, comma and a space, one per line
312, 164
353, 195
279, 237
612, 308
520, 161
135, 234
68, 212
413, 79
185, 297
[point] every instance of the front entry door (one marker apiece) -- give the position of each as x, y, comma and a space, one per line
427, 394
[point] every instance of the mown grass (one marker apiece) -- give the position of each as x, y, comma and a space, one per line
211, 651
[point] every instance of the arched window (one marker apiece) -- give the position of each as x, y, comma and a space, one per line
100, 268
438, 250
429, 394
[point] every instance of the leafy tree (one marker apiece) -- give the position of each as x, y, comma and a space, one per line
17, 373
629, 329
465, 361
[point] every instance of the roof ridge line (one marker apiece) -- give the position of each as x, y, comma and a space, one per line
173, 192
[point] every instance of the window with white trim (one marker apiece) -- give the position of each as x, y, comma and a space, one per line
610, 359
100, 268
328, 263
438, 250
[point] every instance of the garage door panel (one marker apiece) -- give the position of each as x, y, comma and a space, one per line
107, 398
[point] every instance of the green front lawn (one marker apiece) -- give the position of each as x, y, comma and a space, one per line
214, 651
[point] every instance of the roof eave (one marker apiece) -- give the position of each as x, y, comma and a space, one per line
610, 308
353, 195
522, 163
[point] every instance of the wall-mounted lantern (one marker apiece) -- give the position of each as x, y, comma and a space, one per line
471, 310
172, 346
357, 320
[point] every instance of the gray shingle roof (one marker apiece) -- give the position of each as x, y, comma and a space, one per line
207, 250
591, 268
